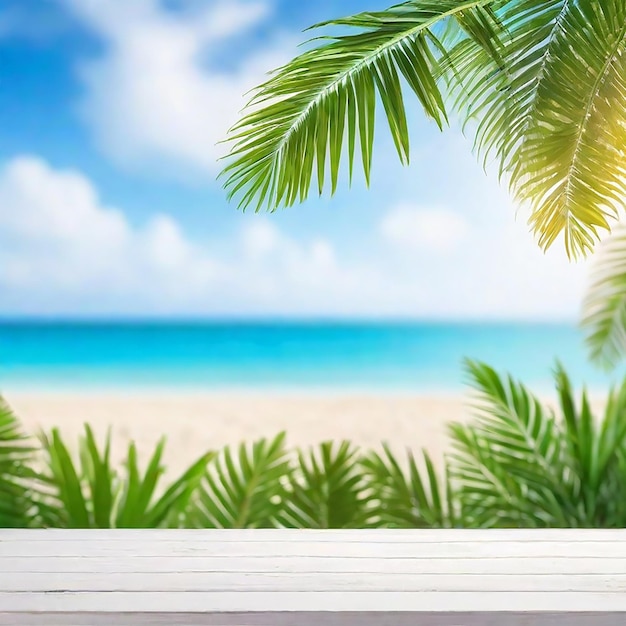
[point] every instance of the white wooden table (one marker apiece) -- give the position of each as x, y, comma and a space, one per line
313, 578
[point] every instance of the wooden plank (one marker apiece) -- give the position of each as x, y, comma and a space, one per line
220, 582
190, 564
345, 578
312, 602
552, 535
269, 549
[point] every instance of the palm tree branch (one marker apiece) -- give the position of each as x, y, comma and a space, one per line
299, 115
574, 180
542, 115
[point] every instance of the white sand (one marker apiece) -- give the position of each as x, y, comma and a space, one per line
195, 423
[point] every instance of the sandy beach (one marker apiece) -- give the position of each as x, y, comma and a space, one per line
196, 422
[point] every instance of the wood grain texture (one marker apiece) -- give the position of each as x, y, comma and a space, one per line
307, 578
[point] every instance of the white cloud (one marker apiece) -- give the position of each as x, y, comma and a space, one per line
503, 272
436, 230
58, 237
153, 99
486, 265
281, 275
63, 251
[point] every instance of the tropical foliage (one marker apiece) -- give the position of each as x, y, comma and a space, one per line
91, 493
540, 83
604, 318
519, 463
16, 457
242, 490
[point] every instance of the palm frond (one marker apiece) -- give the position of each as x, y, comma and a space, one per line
326, 489
519, 465
570, 163
553, 116
67, 503
489, 495
92, 493
542, 81
595, 450
604, 307
511, 455
308, 116
242, 488
141, 506
16, 475
514, 420
414, 496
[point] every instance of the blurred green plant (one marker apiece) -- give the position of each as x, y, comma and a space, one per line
242, 490
604, 306
410, 496
326, 489
518, 463
16, 476
91, 493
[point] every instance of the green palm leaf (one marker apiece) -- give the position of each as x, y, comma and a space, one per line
141, 506
92, 493
543, 83
596, 452
326, 490
509, 461
604, 307
241, 488
518, 465
68, 504
403, 497
310, 114
555, 118
16, 476
490, 496
570, 162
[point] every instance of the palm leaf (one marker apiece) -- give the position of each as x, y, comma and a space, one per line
595, 449
604, 307
326, 490
16, 476
489, 495
92, 493
542, 81
570, 164
518, 465
511, 455
139, 506
404, 498
100, 478
241, 488
308, 116
554, 118
70, 508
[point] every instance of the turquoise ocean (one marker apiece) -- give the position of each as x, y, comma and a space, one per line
283, 356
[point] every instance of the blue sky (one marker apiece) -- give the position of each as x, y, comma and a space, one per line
110, 111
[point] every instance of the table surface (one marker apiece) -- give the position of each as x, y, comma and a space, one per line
312, 578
